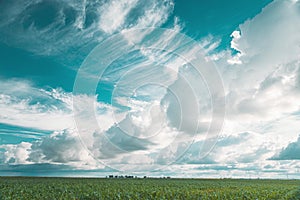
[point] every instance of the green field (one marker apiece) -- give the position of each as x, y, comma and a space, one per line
92, 188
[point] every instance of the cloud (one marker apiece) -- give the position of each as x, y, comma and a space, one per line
16, 153
104, 140
275, 95
69, 30
234, 44
261, 82
227, 150
291, 152
60, 147
265, 44
262, 91
114, 13
22, 104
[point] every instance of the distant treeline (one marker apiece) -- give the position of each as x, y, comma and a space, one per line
130, 176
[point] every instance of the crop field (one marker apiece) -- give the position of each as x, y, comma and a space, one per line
97, 188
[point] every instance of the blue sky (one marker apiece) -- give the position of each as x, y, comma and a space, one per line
180, 88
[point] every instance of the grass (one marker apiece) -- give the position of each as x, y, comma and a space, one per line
97, 188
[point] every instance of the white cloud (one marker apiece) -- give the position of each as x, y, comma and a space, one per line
262, 91
234, 44
73, 24
60, 147
264, 86
20, 104
113, 14
156, 13
267, 44
16, 153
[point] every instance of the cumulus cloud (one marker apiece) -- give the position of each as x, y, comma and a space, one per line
265, 44
61, 147
234, 44
275, 96
262, 91
291, 152
16, 153
261, 82
106, 141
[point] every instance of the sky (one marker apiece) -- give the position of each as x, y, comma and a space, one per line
177, 88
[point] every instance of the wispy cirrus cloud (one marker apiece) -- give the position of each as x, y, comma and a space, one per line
71, 29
